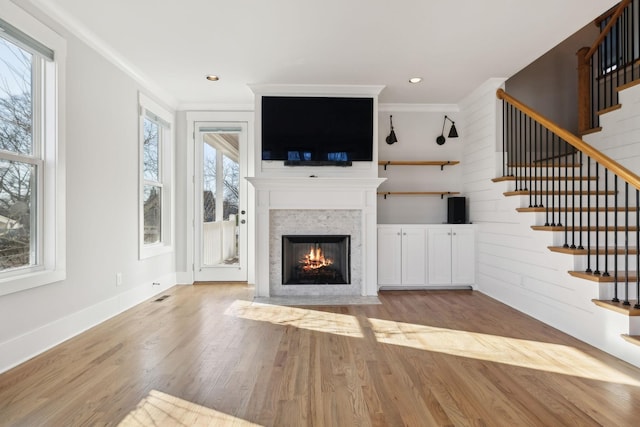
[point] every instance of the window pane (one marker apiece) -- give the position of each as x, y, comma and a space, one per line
151, 150
209, 183
17, 231
15, 99
231, 174
152, 214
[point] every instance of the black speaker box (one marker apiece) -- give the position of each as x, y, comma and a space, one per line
456, 210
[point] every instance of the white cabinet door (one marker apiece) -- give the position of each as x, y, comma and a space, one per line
439, 256
389, 256
463, 256
413, 257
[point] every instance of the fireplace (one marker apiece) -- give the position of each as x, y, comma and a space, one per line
307, 206
316, 259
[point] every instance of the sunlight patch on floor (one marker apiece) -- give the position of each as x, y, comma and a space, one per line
331, 323
537, 355
161, 409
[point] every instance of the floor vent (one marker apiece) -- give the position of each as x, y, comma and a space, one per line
162, 298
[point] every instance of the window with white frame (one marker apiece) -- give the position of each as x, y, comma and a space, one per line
31, 180
155, 178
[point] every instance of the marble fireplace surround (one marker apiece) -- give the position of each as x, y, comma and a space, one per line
305, 205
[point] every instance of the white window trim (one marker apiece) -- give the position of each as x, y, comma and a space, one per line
52, 231
166, 153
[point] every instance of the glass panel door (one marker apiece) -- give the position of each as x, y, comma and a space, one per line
222, 216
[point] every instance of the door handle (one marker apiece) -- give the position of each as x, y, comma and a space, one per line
242, 221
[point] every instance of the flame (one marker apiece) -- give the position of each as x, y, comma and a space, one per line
315, 259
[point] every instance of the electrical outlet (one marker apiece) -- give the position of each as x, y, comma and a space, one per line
118, 279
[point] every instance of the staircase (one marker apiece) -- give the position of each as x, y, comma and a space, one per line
588, 201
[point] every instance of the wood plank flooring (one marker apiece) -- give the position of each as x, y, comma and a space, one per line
207, 355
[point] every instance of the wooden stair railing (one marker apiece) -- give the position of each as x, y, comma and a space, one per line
609, 63
584, 194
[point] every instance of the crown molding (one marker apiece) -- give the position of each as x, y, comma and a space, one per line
316, 89
216, 107
83, 33
419, 108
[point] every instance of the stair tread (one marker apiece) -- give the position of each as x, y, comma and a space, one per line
544, 164
600, 250
633, 339
578, 208
603, 279
609, 109
590, 131
583, 228
630, 84
544, 178
559, 193
618, 307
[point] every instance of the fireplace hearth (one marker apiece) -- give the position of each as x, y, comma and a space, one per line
316, 259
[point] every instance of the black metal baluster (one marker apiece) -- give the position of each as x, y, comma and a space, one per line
580, 233
635, 23
588, 270
553, 191
522, 157
637, 305
537, 163
597, 199
615, 242
530, 165
606, 223
515, 148
626, 244
573, 201
546, 189
608, 81
566, 196
505, 155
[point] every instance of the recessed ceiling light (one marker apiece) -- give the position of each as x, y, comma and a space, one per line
415, 79
212, 78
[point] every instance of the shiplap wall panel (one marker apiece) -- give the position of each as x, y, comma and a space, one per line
513, 262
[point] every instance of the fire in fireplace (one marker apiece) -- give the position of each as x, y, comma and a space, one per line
316, 260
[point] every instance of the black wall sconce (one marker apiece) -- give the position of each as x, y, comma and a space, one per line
392, 136
453, 133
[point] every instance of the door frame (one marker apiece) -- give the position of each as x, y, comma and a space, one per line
247, 157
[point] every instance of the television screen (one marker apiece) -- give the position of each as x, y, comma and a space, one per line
324, 130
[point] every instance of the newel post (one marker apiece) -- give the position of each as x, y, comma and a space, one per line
584, 92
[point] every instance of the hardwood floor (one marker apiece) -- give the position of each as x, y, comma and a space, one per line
207, 354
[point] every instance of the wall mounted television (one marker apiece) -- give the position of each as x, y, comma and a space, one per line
317, 131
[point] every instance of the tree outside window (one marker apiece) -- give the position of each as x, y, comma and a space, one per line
19, 163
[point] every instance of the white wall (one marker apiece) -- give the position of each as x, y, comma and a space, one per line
417, 132
102, 216
549, 85
620, 138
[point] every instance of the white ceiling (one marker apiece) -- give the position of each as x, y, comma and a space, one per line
454, 45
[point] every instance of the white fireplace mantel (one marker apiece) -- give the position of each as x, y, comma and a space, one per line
317, 193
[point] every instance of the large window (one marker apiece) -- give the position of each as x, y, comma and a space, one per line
155, 180
20, 160
31, 180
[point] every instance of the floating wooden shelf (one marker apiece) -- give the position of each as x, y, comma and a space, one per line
417, 193
441, 163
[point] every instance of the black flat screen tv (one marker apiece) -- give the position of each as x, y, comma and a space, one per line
317, 131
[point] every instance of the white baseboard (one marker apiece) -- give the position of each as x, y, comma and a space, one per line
30, 344
184, 277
